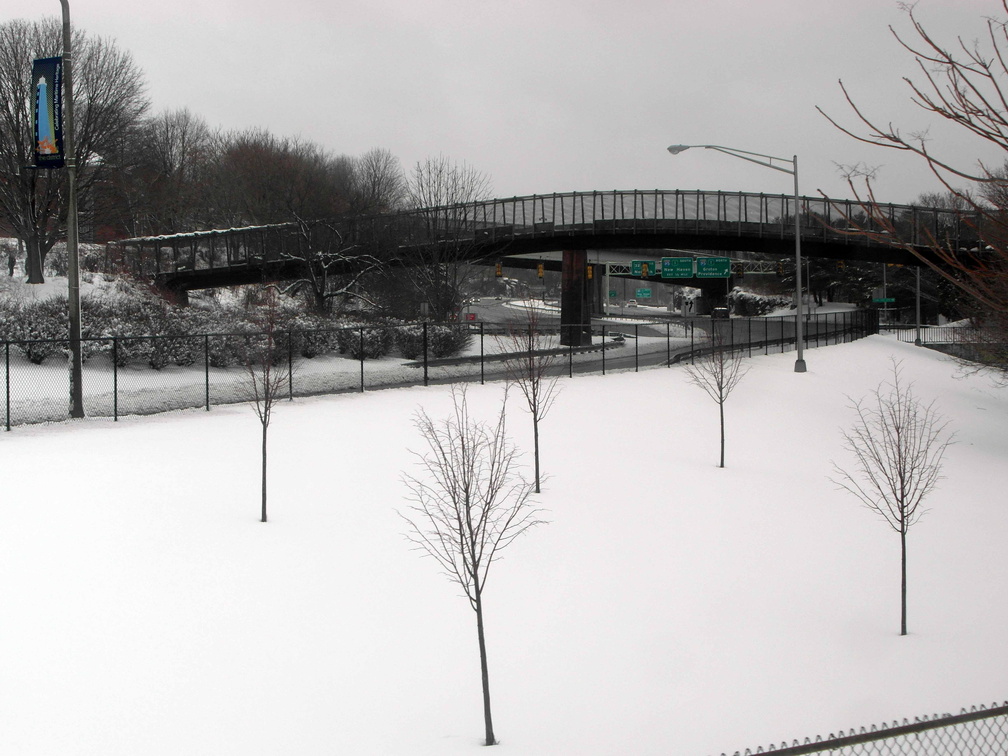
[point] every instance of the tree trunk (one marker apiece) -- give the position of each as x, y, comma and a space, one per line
487, 719
33, 261
535, 436
903, 586
721, 411
264, 428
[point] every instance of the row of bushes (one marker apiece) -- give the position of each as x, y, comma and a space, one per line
159, 334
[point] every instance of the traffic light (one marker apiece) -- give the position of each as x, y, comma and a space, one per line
540, 270
840, 265
644, 269
591, 272
499, 272
780, 269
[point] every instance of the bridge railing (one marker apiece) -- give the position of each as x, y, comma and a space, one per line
574, 214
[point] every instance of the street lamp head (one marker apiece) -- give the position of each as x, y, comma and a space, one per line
675, 149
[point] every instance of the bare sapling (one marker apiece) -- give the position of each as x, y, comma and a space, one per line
468, 502
896, 447
718, 372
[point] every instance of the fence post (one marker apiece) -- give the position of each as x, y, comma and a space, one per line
7, 379
115, 378
424, 353
482, 362
603, 350
668, 344
570, 358
206, 368
692, 358
361, 345
636, 341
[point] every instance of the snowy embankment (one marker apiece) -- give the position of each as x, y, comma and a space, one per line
669, 607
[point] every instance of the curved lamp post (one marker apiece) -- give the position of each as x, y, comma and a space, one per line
73, 267
769, 161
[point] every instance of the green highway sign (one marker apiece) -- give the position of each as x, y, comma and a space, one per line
637, 267
613, 293
677, 267
643, 294
884, 300
713, 267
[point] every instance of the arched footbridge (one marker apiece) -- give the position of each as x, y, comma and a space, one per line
515, 231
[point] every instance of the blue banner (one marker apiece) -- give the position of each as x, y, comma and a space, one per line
47, 78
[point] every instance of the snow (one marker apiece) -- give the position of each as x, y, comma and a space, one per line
669, 606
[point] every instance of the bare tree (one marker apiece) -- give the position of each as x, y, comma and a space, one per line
379, 185
109, 100
718, 371
267, 367
330, 268
966, 85
468, 503
531, 365
443, 195
897, 444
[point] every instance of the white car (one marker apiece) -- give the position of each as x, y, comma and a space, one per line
631, 303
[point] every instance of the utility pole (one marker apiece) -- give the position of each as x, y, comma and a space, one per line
73, 255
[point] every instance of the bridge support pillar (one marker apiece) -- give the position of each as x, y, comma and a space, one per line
575, 314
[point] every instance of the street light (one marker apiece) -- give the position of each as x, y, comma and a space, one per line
768, 161
73, 267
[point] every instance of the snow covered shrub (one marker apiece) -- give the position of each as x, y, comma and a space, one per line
42, 324
375, 342
447, 340
313, 335
9, 319
746, 303
409, 341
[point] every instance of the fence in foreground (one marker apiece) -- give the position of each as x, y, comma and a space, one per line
142, 375
978, 732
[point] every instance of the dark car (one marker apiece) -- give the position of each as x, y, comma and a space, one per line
719, 313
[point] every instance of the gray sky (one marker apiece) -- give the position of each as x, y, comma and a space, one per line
552, 95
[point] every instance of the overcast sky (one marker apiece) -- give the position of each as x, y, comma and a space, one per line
552, 95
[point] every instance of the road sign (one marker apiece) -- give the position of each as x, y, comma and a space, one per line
884, 300
677, 267
713, 267
637, 267
643, 294
613, 294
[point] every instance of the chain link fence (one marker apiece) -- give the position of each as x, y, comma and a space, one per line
980, 731
142, 375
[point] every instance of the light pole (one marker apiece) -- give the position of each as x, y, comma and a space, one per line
73, 259
768, 161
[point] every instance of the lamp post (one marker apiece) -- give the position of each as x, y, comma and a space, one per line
73, 266
768, 161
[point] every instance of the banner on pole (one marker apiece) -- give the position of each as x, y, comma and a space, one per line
47, 78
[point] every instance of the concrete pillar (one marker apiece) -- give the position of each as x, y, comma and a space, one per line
575, 315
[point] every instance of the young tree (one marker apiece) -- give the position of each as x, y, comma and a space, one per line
267, 367
109, 100
718, 372
966, 85
531, 365
468, 503
897, 444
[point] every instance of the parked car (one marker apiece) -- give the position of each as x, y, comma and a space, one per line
719, 313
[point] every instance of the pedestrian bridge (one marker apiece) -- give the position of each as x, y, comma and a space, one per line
719, 221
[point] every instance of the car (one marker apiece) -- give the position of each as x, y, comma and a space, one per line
631, 303
719, 313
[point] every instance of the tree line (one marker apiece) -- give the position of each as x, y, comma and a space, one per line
144, 173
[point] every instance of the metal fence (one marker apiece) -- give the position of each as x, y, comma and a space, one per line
142, 375
979, 731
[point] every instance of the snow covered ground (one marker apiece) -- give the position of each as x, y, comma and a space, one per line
669, 607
